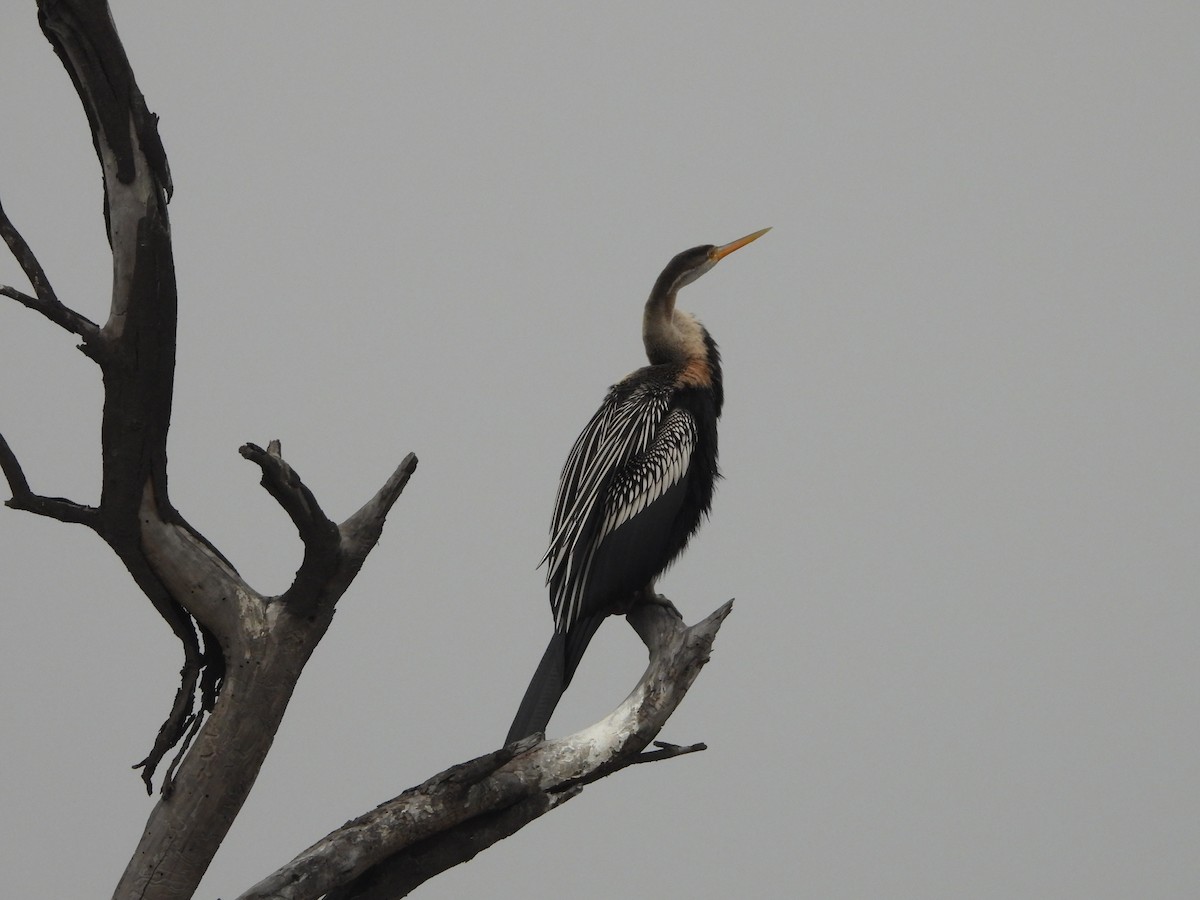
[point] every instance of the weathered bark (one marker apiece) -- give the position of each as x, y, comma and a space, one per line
244, 651
449, 819
266, 642
135, 348
256, 645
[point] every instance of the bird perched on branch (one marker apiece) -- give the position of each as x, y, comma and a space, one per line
635, 485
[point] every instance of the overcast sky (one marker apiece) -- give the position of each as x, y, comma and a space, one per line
961, 503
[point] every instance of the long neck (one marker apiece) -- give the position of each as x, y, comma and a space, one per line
674, 336
671, 335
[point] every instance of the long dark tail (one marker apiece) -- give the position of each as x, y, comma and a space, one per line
551, 678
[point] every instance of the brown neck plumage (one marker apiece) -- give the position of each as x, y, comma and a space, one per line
672, 335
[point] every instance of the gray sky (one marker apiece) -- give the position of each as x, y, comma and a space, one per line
961, 503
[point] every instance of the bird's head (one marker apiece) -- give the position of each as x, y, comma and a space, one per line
689, 265
671, 335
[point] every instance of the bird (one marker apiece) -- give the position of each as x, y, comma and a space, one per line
636, 485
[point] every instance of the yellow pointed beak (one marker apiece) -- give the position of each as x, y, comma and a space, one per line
724, 250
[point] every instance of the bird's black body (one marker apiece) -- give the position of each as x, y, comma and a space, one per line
636, 484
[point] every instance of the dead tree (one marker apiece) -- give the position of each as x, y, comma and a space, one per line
244, 651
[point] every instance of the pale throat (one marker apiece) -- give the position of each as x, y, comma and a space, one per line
672, 335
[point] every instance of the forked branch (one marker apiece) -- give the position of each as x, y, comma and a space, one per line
333, 554
44, 300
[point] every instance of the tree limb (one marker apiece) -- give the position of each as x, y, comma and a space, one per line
450, 818
318, 533
668, 751
45, 300
399, 875
25, 499
60, 315
361, 531
333, 555
282, 483
33, 270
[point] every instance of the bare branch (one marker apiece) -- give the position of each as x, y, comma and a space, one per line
24, 255
319, 534
282, 483
677, 653
46, 301
399, 875
361, 531
333, 555
25, 499
60, 315
420, 812
667, 751
400, 843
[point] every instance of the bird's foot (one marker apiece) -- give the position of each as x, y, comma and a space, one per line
648, 596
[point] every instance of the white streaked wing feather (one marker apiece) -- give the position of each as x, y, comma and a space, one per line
644, 476
664, 465
624, 427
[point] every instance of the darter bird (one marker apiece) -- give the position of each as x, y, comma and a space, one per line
636, 484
